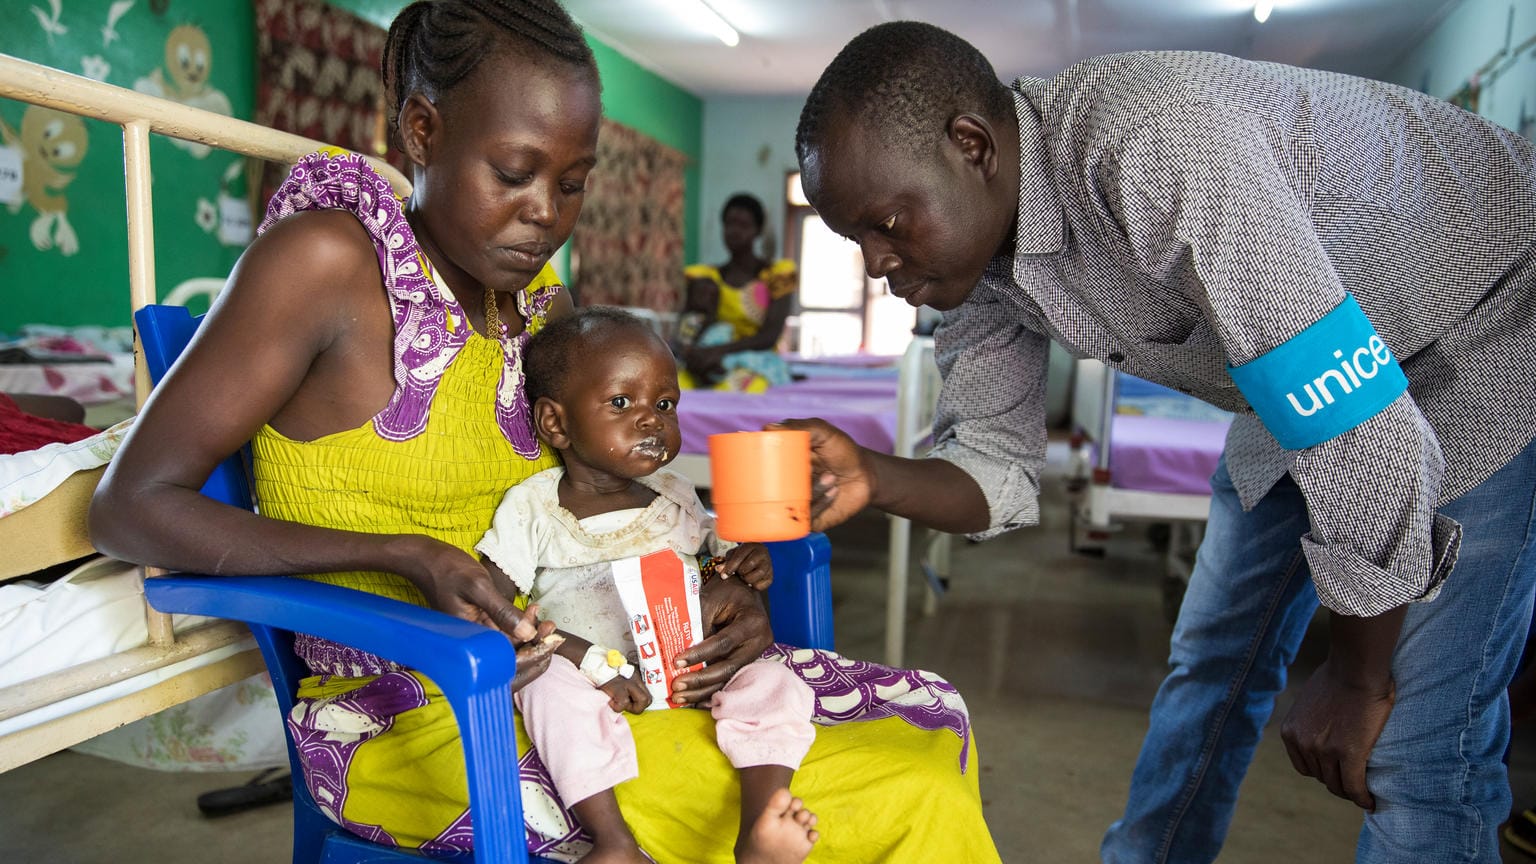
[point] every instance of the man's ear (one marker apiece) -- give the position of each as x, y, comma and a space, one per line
549, 423
977, 142
420, 127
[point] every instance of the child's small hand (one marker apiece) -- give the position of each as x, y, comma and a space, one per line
626, 693
750, 563
529, 627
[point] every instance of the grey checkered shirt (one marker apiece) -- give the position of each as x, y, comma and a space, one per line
1180, 211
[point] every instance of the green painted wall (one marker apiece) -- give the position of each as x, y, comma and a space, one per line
1493, 39
632, 95
90, 286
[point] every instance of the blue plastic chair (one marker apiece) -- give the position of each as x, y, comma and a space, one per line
473, 665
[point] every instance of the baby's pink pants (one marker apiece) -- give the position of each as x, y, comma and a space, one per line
762, 717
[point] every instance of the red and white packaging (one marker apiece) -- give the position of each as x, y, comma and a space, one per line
660, 593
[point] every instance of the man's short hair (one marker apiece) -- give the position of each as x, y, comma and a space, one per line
906, 79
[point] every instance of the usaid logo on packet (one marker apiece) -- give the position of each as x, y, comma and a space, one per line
1324, 381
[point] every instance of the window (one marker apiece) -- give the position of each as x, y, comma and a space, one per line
841, 310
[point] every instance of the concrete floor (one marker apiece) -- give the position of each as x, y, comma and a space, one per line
1057, 655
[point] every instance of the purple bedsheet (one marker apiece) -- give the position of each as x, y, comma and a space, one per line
864, 408
1161, 454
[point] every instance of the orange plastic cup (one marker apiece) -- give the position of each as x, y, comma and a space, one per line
761, 485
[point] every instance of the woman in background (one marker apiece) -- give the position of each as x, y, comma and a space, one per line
735, 313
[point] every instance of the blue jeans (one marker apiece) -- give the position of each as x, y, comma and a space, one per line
1437, 772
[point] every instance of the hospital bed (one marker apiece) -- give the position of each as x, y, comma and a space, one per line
93, 366
1142, 453
147, 661
885, 412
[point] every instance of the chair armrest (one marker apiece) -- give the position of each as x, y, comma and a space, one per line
800, 598
458, 655
473, 665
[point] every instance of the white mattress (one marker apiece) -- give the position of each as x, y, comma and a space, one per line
96, 611
28, 476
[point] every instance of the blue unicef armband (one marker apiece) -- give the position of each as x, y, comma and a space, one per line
1324, 381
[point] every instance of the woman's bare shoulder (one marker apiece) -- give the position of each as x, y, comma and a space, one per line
307, 278
321, 244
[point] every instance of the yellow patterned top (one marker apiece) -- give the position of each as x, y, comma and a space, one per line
444, 483
745, 308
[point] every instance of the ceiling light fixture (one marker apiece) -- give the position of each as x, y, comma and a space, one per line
700, 13
1262, 9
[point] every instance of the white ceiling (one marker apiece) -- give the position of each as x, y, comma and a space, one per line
786, 43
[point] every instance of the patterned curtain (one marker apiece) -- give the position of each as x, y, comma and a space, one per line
318, 76
628, 245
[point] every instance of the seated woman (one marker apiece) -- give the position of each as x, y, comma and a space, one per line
734, 314
371, 351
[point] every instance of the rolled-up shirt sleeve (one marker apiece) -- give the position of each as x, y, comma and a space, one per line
1376, 541
990, 418
1231, 210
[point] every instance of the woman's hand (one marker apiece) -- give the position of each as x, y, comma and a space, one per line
739, 633
456, 583
748, 562
627, 693
842, 479
704, 363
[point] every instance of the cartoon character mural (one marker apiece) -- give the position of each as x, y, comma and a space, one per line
184, 79
50, 142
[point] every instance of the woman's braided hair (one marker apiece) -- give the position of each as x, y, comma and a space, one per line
435, 44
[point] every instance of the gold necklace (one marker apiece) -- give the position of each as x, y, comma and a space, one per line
493, 314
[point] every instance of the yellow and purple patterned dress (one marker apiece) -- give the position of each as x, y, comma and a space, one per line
379, 743
740, 312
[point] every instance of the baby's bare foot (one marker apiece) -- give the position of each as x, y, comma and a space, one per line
784, 834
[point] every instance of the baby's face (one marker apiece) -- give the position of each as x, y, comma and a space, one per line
620, 406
